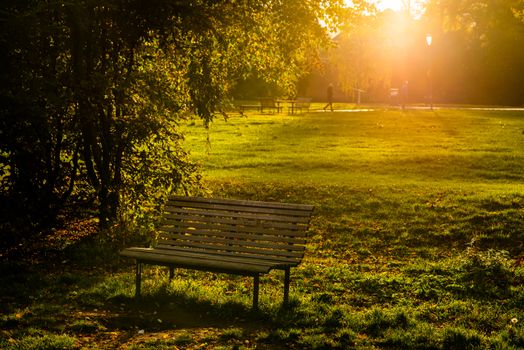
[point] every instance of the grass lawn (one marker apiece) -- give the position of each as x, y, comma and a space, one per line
416, 243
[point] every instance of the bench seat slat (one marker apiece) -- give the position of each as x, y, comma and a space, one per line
167, 232
277, 260
194, 213
240, 249
179, 226
149, 254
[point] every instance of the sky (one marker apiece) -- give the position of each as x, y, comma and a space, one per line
416, 6
394, 5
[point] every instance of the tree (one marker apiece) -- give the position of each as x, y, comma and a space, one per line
93, 91
475, 56
356, 60
376, 51
481, 51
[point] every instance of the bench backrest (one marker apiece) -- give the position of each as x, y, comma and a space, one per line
274, 232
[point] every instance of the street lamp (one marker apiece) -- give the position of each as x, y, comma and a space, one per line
429, 40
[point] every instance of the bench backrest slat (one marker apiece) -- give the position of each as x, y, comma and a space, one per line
265, 230
231, 213
183, 220
167, 232
228, 243
242, 205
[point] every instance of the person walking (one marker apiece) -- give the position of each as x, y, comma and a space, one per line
329, 98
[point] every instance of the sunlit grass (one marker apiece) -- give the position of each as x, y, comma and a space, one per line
414, 244
380, 148
418, 220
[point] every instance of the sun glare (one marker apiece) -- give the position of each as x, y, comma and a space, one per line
395, 5
382, 5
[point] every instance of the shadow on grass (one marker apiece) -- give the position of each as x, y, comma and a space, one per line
162, 310
97, 306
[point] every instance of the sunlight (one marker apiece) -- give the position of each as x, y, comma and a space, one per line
395, 5
415, 6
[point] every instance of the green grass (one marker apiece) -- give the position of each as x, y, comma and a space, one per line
381, 148
419, 220
414, 244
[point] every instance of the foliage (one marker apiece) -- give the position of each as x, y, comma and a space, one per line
477, 50
93, 92
474, 57
487, 273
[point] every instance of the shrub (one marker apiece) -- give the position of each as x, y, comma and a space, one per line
487, 273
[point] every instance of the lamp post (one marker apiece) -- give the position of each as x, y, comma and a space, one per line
429, 40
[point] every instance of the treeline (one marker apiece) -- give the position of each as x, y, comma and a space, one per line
478, 50
475, 56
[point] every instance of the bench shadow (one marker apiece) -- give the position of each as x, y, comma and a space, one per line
161, 311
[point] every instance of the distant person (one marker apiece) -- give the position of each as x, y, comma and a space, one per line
329, 98
404, 93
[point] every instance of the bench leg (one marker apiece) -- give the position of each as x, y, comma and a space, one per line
138, 279
171, 273
255, 291
286, 285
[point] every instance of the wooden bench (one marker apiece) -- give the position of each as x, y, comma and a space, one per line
302, 103
269, 104
251, 106
265, 104
240, 237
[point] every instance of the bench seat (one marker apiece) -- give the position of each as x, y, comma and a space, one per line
203, 261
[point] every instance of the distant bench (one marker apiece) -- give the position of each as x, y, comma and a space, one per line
267, 104
239, 237
301, 104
